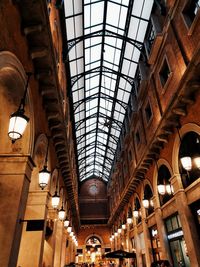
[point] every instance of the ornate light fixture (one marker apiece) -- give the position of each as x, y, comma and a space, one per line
161, 189
145, 203
129, 219
18, 120
69, 229
44, 174
66, 223
135, 213
55, 198
61, 214
123, 226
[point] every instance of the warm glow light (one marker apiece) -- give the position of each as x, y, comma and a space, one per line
161, 189
17, 125
66, 223
145, 203
69, 229
119, 231
197, 162
55, 200
116, 234
186, 163
71, 234
135, 213
129, 220
124, 226
44, 176
61, 214
169, 189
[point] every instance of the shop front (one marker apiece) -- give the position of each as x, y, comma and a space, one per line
176, 242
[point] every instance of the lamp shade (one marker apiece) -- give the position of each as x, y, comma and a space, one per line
66, 223
145, 203
186, 163
17, 125
69, 229
197, 161
55, 200
135, 213
44, 176
61, 214
129, 220
168, 189
161, 189
119, 230
124, 226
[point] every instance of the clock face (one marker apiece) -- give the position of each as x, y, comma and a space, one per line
93, 189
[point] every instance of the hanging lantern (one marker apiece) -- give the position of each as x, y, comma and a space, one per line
19, 121
186, 163
55, 200
197, 161
145, 203
119, 230
17, 125
129, 220
116, 234
66, 223
161, 189
135, 213
44, 176
61, 214
168, 189
69, 229
123, 226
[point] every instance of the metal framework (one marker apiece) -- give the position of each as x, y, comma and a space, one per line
104, 42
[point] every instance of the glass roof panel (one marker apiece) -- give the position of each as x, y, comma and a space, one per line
104, 40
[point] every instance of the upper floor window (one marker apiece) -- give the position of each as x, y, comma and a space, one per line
164, 72
190, 11
189, 158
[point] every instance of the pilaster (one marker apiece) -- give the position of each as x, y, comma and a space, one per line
15, 175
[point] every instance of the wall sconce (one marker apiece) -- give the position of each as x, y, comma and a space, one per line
44, 174
18, 120
55, 198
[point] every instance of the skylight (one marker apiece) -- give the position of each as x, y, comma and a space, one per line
104, 40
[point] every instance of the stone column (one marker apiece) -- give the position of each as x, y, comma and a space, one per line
165, 252
187, 221
147, 239
15, 174
58, 243
63, 252
137, 245
32, 242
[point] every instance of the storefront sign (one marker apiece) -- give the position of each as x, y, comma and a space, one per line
175, 235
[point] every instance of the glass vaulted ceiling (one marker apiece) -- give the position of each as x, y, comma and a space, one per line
104, 40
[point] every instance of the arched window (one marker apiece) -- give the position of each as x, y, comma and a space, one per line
163, 184
189, 158
93, 243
